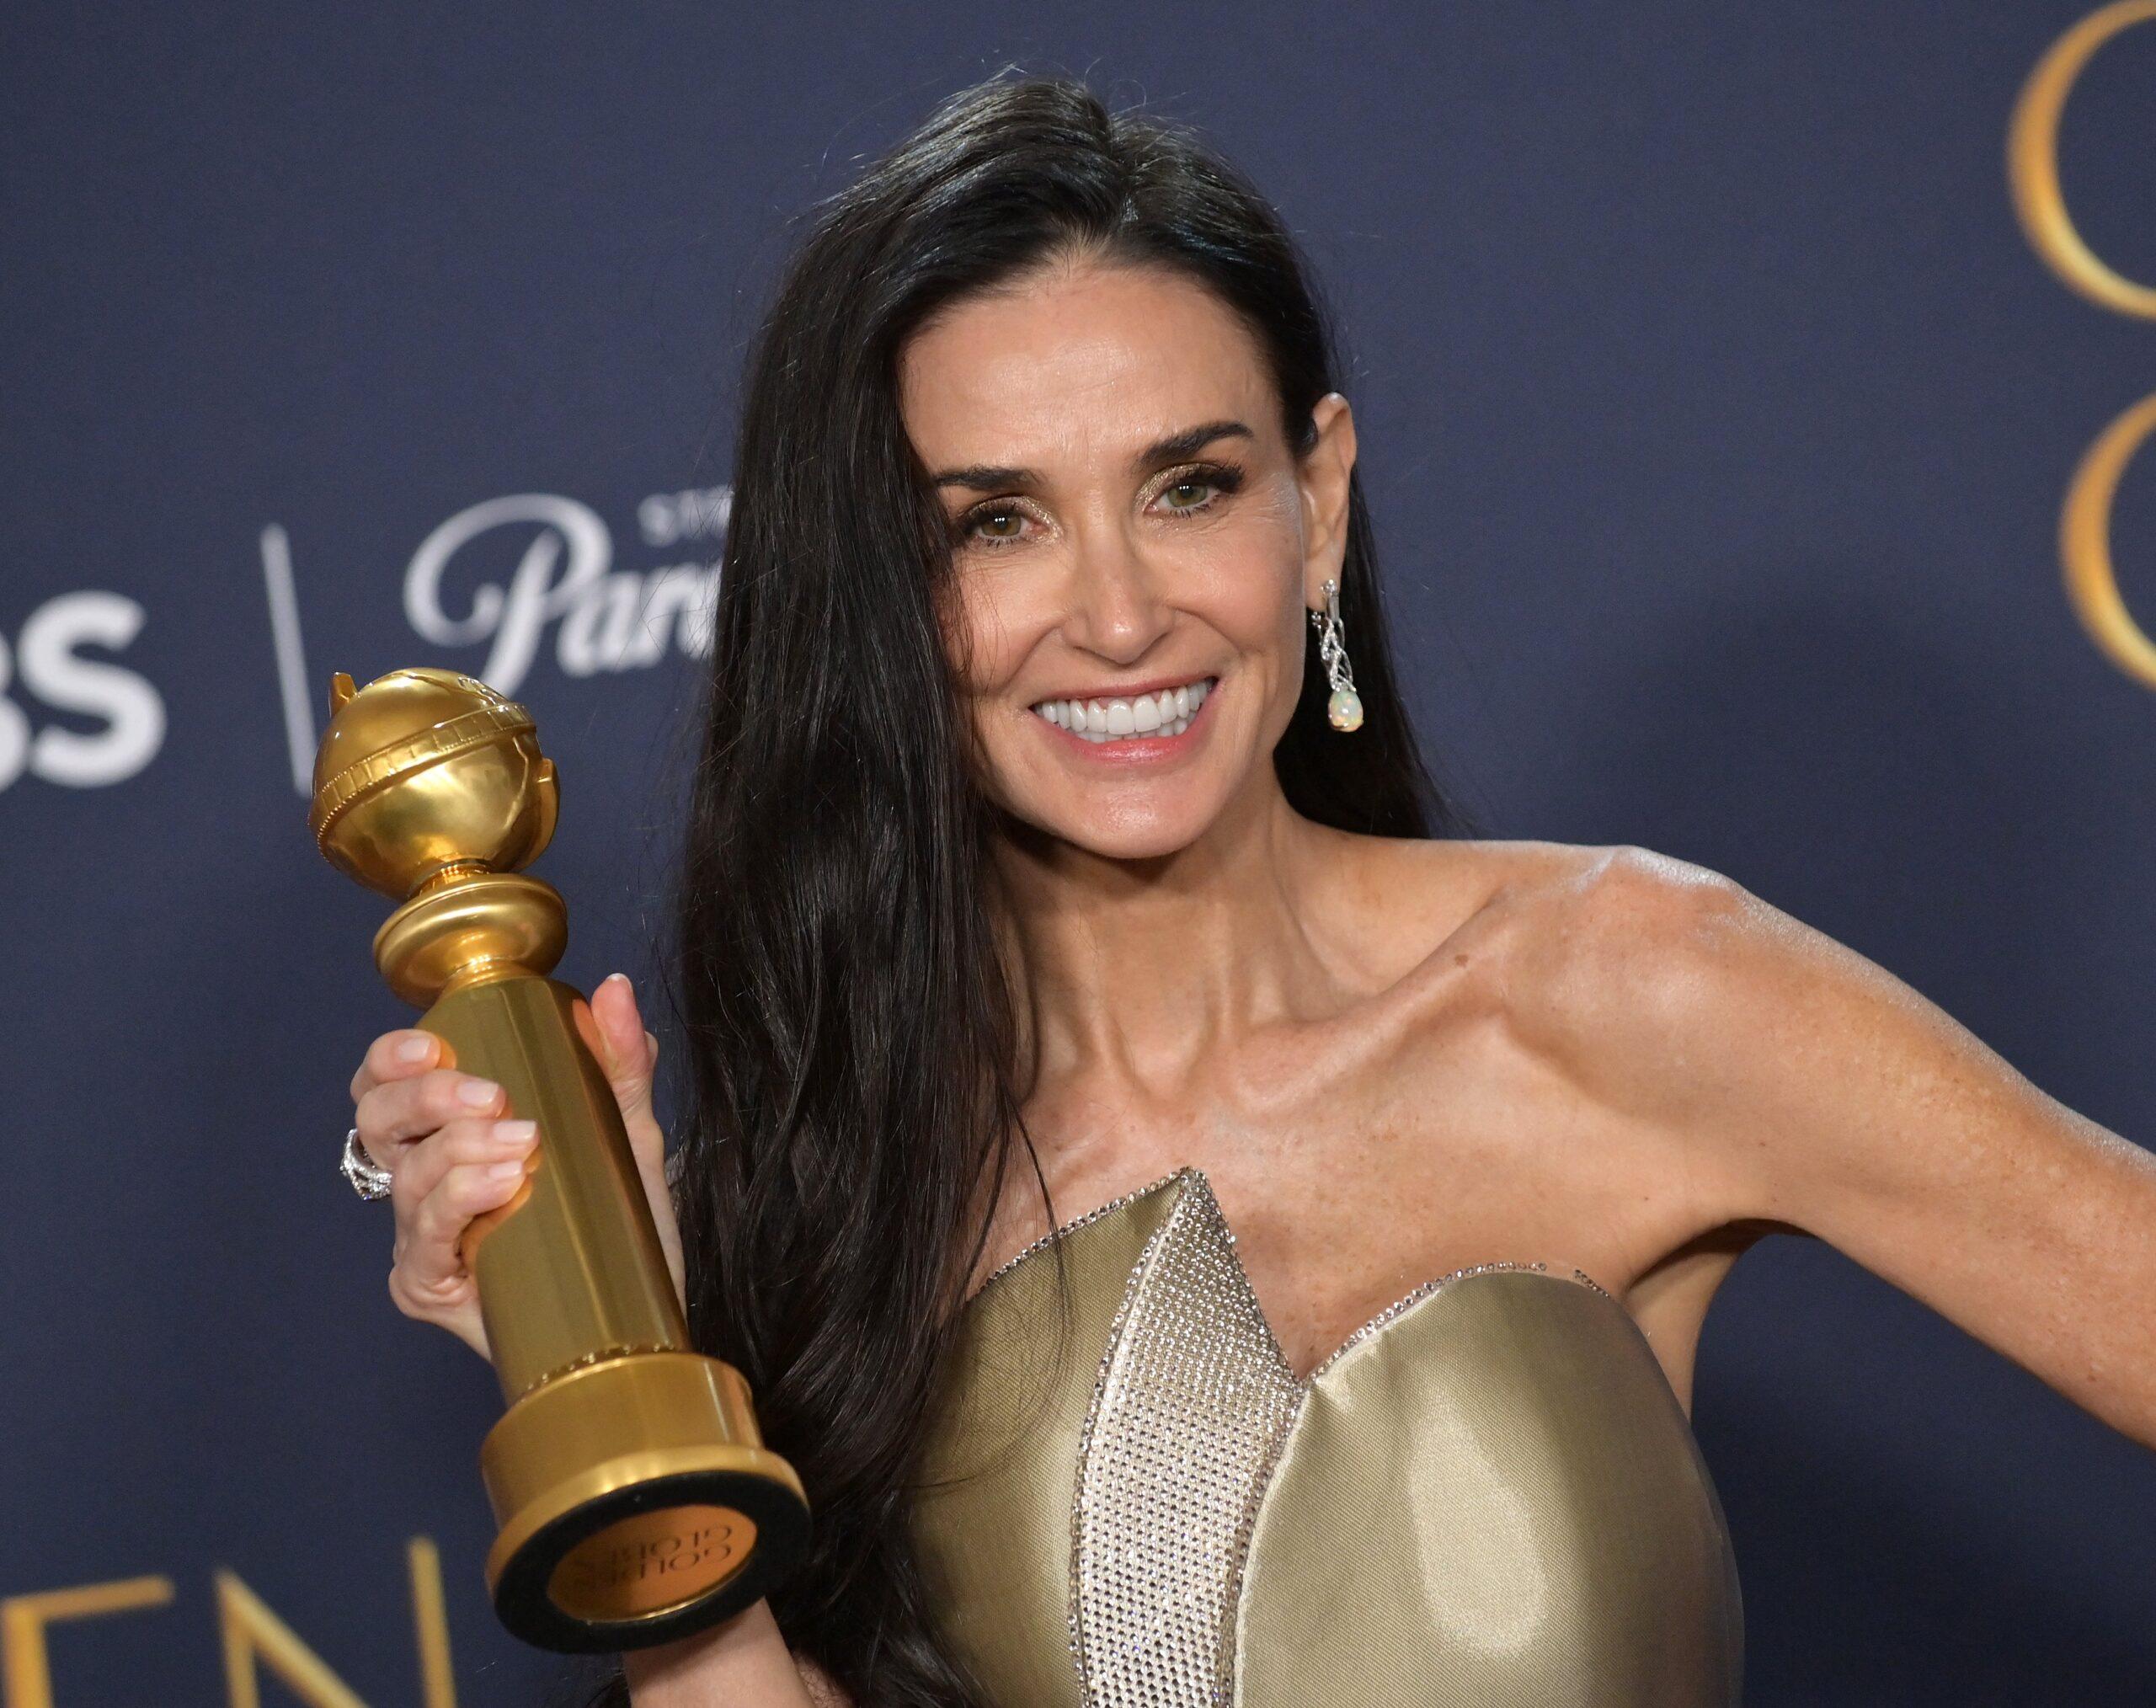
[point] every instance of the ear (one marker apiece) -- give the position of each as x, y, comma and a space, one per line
1322, 478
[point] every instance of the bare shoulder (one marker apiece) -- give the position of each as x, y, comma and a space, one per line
1591, 957
1632, 894
1709, 1024
1560, 911
1643, 979
1666, 1001
1623, 963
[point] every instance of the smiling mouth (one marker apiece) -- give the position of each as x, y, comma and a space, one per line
1139, 717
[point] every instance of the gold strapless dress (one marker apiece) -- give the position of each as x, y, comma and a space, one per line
1488, 1497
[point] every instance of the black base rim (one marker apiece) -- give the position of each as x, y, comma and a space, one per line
526, 1611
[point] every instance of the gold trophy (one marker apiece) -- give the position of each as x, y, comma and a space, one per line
635, 1499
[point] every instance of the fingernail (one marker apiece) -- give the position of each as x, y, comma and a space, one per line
477, 1092
615, 978
516, 1132
505, 1170
415, 1048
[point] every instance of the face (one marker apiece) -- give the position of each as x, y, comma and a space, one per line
1134, 548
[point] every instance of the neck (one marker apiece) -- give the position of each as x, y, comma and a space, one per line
1139, 973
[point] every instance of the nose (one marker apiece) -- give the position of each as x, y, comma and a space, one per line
1116, 607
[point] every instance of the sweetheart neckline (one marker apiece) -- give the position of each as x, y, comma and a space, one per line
1414, 1296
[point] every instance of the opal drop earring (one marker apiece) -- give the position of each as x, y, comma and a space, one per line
1345, 707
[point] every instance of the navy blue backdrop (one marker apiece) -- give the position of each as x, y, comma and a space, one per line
1716, 412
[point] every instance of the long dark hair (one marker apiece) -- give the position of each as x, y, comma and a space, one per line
847, 1031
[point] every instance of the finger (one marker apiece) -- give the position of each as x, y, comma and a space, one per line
430, 1261
614, 1003
632, 1066
396, 1056
391, 1116
419, 1168
625, 1054
439, 1304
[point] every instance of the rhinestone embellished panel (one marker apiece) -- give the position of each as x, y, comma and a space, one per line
1190, 1402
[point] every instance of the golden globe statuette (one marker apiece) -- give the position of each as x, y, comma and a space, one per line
635, 1499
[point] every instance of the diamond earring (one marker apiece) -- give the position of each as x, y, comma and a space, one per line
1345, 708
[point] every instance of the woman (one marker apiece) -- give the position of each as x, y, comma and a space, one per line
1056, 847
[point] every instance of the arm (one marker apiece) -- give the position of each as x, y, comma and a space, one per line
1804, 1084
743, 1663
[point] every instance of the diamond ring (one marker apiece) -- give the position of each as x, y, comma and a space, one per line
367, 1178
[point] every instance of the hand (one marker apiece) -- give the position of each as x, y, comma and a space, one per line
451, 1156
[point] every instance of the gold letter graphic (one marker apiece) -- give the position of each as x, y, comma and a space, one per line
23, 1618
2092, 582
2032, 161
2084, 544
431, 1625
250, 1629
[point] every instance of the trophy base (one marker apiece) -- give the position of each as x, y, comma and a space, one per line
638, 1505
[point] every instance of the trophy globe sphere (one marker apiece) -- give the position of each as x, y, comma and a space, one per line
425, 770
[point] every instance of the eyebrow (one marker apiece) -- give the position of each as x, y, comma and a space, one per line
989, 477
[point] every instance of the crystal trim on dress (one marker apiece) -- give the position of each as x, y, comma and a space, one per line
1197, 1175
1409, 1300
1188, 1406
1053, 1235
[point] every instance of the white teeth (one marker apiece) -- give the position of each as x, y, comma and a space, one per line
1168, 713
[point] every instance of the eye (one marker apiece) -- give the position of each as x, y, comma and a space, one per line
998, 524
983, 525
1214, 481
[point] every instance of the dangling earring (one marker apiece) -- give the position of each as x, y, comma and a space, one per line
1345, 708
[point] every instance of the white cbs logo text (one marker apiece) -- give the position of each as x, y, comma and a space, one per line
43, 671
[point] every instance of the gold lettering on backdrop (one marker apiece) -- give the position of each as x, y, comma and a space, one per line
2032, 175
430, 1624
24, 1664
2033, 162
249, 1631
2084, 543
